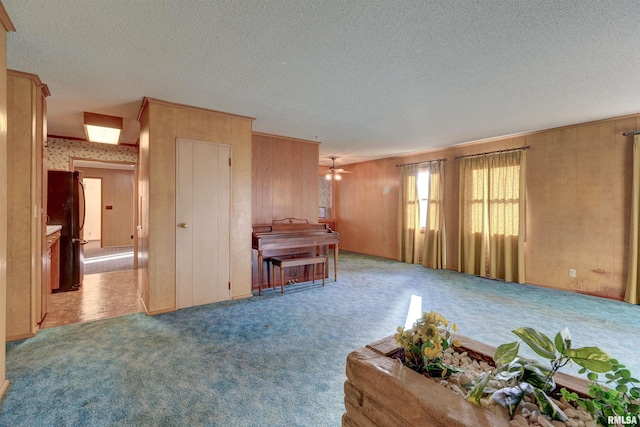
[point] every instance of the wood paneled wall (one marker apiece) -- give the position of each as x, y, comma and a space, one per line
117, 192
284, 178
25, 118
5, 26
161, 123
577, 206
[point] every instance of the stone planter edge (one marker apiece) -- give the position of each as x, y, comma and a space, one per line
381, 391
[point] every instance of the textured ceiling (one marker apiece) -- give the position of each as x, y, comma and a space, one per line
367, 78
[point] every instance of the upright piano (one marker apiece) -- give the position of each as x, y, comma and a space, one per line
292, 239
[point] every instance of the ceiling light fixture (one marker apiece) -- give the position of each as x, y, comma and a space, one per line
102, 128
334, 173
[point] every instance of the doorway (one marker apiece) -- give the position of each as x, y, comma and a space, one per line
110, 285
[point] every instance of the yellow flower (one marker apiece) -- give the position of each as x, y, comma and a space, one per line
431, 353
454, 327
431, 332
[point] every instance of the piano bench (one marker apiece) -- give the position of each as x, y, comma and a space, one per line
295, 262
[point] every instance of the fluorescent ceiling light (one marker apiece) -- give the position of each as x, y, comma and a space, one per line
102, 128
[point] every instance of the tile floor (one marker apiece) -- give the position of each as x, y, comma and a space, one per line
101, 296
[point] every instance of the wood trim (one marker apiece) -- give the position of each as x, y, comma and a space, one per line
74, 138
147, 100
514, 135
21, 336
241, 296
34, 77
103, 120
70, 138
6, 21
165, 310
4, 387
86, 159
268, 135
577, 291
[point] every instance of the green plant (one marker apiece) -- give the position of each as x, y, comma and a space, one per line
514, 376
425, 342
619, 400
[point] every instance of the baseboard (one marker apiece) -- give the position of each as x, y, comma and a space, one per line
21, 337
153, 313
235, 297
4, 387
576, 291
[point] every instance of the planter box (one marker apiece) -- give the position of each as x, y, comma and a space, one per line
381, 391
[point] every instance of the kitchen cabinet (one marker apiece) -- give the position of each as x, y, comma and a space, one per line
50, 268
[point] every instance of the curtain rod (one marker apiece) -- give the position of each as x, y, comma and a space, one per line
635, 132
526, 147
419, 163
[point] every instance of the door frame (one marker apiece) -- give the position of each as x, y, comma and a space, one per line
229, 266
107, 164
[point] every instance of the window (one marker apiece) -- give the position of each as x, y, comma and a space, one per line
492, 215
423, 196
504, 200
500, 186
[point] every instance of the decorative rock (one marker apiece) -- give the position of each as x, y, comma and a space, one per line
542, 420
463, 379
570, 412
501, 411
534, 416
561, 405
514, 423
584, 416
485, 366
531, 406
521, 420
557, 423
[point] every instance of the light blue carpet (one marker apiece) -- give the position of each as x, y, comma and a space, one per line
275, 360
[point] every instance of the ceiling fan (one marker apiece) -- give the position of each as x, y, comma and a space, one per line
334, 173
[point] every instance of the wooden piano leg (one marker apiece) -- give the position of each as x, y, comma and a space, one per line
282, 279
259, 272
273, 276
335, 263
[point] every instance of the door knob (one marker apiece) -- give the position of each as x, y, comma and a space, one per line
183, 225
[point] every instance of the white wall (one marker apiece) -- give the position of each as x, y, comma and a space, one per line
93, 198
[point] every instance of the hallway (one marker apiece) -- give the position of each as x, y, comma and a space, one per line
101, 296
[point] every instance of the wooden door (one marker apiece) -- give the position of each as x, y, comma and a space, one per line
117, 207
203, 197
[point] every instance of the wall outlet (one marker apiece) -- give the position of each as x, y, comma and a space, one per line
572, 272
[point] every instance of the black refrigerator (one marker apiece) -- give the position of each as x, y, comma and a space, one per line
66, 207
